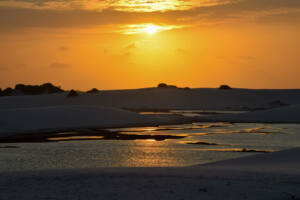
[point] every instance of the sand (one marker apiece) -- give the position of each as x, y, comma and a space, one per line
286, 114
265, 176
268, 176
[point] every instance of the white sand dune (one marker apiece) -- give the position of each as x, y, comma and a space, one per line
62, 117
55, 111
267, 176
286, 114
158, 98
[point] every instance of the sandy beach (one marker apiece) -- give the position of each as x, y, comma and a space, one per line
271, 176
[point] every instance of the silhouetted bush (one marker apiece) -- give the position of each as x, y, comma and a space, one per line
94, 90
163, 85
186, 88
0, 91
37, 89
50, 88
72, 93
29, 89
225, 87
7, 92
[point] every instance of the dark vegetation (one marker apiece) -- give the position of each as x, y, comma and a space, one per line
164, 85
72, 93
225, 87
47, 88
7, 92
93, 91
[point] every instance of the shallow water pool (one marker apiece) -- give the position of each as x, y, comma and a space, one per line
204, 142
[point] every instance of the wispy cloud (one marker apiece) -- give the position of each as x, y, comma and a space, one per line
59, 65
63, 48
120, 5
82, 13
144, 28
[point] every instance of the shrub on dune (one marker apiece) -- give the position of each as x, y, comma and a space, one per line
72, 93
93, 91
38, 89
164, 85
7, 92
50, 88
225, 87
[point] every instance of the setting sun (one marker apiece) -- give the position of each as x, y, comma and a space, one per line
151, 29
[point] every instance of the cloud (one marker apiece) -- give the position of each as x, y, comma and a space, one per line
13, 67
75, 15
247, 58
131, 46
119, 5
59, 65
63, 48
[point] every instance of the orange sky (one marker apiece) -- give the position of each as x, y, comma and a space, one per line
120, 44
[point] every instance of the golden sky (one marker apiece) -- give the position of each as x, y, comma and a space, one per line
118, 44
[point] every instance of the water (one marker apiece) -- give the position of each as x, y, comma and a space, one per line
231, 139
193, 113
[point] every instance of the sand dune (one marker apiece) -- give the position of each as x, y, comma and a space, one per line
63, 117
161, 98
55, 111
286, 114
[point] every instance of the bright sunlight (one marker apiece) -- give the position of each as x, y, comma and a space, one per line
151, 29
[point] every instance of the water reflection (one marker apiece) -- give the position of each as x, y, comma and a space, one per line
192, 150
192, 113
152, 154
75, 138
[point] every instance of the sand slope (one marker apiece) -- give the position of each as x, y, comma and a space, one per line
160, 98
61, 117
286, 114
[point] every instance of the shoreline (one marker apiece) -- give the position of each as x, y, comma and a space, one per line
154, 124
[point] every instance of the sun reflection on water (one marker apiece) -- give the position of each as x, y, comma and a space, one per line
151, 153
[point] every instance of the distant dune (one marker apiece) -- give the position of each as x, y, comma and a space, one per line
162, 98
286, 114
108, 108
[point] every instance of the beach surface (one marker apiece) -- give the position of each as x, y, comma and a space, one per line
268, 176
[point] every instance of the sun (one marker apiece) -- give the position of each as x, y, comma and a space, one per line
151, 29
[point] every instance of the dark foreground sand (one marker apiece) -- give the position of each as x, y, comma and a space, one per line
268, 176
